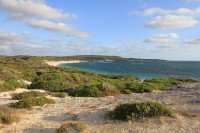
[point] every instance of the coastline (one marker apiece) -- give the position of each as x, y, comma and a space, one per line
56, 63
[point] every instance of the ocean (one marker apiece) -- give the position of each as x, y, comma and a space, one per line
142, 69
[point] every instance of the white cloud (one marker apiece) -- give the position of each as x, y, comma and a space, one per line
164, 19
8, 38
192, 42
31, 12
62, 28
160, 11
23, 9
171, 21
162, 38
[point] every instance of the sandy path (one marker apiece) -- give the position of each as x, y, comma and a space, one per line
47, 119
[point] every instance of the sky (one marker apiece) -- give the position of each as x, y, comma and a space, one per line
150, 29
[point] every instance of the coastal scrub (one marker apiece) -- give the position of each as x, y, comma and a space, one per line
28, 95
134, 111
31, 102
10, 85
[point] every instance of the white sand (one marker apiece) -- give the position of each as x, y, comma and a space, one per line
56, 63
47, 119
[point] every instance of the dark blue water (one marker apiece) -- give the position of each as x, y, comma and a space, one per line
144, 70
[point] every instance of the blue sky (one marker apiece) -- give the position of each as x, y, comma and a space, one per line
128, 28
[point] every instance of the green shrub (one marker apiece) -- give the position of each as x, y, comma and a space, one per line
108, 89
76, 127
8, 115
27, 95
53, 82
139, 87
127, 91
138, 110
10, 85
29, 103
85, 91
57, 94
160, 83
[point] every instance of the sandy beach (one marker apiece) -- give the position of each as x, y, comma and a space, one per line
56, 63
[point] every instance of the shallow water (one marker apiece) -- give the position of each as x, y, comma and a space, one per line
144, 70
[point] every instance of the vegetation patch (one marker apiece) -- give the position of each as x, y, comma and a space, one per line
74, 126
136, 111
8, 73
10, 85
31, 102
74, 81
99, 90
160, 83
53, 82
97, 85
27, 95
8, 115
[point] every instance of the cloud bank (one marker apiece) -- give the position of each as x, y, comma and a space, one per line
170, 19
37, 14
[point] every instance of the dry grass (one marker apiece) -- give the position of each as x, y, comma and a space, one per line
72, 126
8, 115
189, 115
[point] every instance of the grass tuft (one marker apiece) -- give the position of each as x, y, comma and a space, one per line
8, 115
74, 126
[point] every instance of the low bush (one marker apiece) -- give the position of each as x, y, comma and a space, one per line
139, 87
108, 89
135, 111
53, 82
72, 127
85, 91
96, 90
8, 115
27, 95
29, 103
10, 85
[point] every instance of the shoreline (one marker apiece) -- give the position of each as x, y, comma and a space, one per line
56, 63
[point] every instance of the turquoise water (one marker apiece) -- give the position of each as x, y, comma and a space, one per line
144, 70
